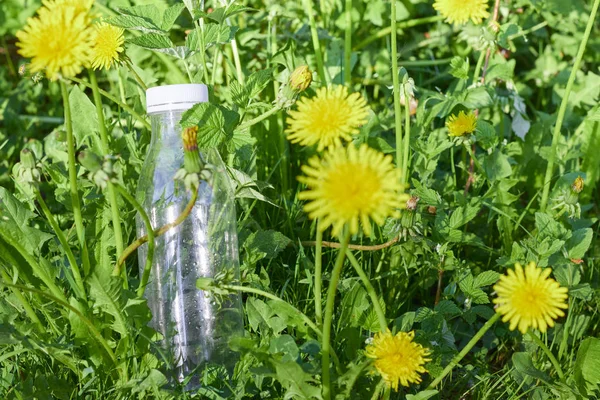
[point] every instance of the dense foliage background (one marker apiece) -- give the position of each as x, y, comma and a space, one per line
471, 221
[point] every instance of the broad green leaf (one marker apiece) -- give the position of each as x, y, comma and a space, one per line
549, 227
215, 124
220, 14
587, 366
211, 35
269, 242
447, 307
84, 127
523, 363
261, 315
486, 135
285, 345
152, 41
255, 83
486, 278
422, 395
476, 98
142, 18
497, 166
579, 243
153, 381
170, 16
463, 215
427, 195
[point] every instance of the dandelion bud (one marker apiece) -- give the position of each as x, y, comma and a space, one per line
26, 172
432, 210
190, 139
193, 166
577, 185
411, 204
300, 79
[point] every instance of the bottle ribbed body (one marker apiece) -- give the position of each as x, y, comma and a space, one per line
195, 326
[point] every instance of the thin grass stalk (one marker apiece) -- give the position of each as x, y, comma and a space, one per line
24, 302
73, 188
563, 106
402, 25
348, 46
308, 6
318, 275
405, 163
396, 88
548, 353
325, 342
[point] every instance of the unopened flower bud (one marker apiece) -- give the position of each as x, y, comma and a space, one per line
300, 79
577, 185
432, 210
190, 139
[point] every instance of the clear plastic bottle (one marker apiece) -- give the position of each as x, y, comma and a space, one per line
195, 327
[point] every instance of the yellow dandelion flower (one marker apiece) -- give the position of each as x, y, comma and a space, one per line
80, 5
108, 43
328, 118
461, 125
528, 298
398, 358
461, 11
58, 40
350, 185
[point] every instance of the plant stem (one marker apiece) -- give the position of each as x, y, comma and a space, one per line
479, 66
256, 120
150, 256
348, 45
465, 351
548, 353
112, 196
318, 276
75, 201
157, 232
402, 25
11, 67
336, 245
326, 345
137, 78
405, 163
24, 303
370, 290
307, 4
200, 33
396, 84
563, 106
79, 288
116, 101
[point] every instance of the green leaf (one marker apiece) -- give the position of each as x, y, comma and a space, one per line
496, 166
261, 316
213, 129
476, 98
15, 220
170, 16
427, 195
269, 242
220, 14
587, 366
84, 127
459, 67
212, 34
447, 307
142, 18
523, 363
255, 83
486, 278
153, 381
422, 395
579, 243
108, 296
286, 345
464, 214
548, 227
486, 135
152, 41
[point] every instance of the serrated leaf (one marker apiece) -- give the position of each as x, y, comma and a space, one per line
211, 124
427, 196
221, 13
211, 35
143, 18
447, 307
86, 127
462, 215
486, 135
152, 41
170, 16
486, 278
108, 296
459, 67
269, 242
523, 363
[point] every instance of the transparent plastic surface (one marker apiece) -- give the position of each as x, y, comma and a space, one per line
195, 327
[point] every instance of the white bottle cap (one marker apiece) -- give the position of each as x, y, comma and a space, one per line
175, 97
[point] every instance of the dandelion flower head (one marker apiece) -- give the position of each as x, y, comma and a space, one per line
349, 185
58, 40
461, 11
461, 124
328, 118
108, 43
80, 5
529, 299
398, 358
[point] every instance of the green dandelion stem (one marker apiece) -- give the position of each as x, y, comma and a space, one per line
348, 45
112, 195
465, 350
79, 287
318, 277
479, 65
326, 345
116, 101
307, 5
548, 353
402, 25
396, 85
137, 78
256, 120
370, 290
563, 106
150, 232
73, 188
